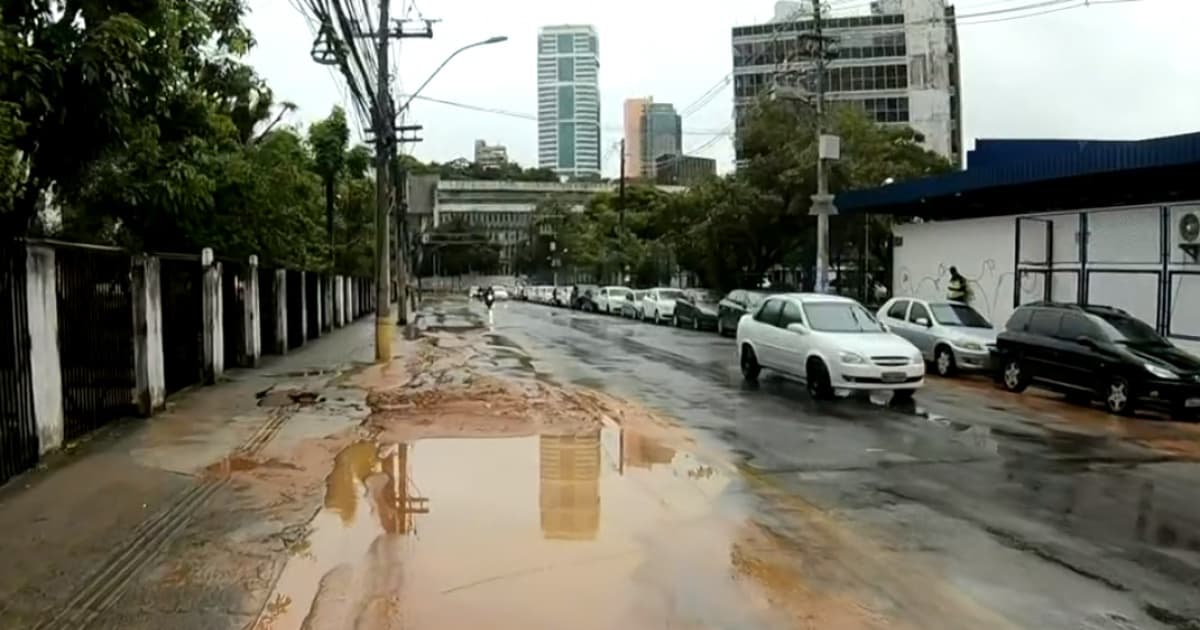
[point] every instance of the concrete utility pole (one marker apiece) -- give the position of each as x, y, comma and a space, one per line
827, 148
383, 194
621, 195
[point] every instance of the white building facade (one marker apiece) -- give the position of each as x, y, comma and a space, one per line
569, 100
899, 64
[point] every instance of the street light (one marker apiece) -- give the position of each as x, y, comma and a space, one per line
491, 40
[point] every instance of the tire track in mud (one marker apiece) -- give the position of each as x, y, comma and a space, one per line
107, 584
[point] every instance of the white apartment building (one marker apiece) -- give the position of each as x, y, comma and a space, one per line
899, 63
569, 100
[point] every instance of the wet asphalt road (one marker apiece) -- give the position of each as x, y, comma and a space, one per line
1028, 512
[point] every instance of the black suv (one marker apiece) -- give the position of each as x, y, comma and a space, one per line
1097, 352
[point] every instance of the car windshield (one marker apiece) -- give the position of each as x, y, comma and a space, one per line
620, 293
1128, 330
670, 294
704, 297
753, 299
840, 317
958, 315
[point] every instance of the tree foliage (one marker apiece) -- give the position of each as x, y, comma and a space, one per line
730, 231
460, 248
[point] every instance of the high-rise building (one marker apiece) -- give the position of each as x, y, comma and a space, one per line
899, 64
663, 135
490, 155
683, 170
635, 130
569, 100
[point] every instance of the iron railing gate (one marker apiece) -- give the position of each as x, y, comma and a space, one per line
233, 306
182, 282
312, 299
18, 427
295, 318
95, 337
266, 309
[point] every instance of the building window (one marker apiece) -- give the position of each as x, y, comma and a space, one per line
566, 101
566, 68
593, 45
566, 43
566, 145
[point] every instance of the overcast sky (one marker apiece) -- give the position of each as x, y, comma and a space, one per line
1118, 71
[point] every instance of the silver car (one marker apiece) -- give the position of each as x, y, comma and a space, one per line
952, 335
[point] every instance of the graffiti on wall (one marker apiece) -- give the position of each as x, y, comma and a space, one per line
987, 286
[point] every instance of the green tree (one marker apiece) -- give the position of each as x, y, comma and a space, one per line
329, 139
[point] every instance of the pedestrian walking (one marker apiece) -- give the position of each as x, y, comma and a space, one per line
958, 290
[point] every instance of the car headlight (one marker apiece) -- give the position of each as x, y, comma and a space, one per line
917, 359
852, 358
1160, 372
973, 346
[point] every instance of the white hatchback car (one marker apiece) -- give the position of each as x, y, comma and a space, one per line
658, 305
831, 343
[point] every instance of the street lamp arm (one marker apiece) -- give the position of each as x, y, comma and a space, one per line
417, 92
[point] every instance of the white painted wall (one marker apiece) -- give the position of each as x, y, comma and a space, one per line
44, 363
149, 370
982, 250
1124, 245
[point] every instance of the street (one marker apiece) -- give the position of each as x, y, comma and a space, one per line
561, 469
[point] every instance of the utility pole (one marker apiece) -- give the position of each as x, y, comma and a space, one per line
827, 148
621, 194
384, 144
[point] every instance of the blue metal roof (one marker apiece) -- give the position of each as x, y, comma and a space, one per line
1012, 163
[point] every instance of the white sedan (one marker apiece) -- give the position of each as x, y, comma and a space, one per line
831, 343
658, 305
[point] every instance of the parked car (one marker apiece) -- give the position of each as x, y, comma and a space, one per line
632, 307
1092, 352
831, 343
610, 299
735, 304
500, 293
560, 296
658, 305
697, 309
951, 335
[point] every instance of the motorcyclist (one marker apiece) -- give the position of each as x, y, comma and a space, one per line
489, 298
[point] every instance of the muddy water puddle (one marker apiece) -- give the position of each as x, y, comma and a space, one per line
600, 529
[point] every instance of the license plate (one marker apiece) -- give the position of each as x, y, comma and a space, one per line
893, 377
1192, 403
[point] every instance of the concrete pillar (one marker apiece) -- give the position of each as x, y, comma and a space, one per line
251, 313
351, 305
281, 311
150, 385
45, 366
339, 301
327, 301
303, 307
213, 350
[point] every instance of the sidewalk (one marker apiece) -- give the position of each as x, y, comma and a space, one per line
79, 529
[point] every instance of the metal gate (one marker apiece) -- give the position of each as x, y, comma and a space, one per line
233, 312
312, 297
182, 280
18, 426
95, 337
266, 310
295, 311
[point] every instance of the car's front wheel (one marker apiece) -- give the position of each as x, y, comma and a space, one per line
720, 327
1014, 376
817, 380
675, 321
750, 367
695, 323
1118, 396
943, 361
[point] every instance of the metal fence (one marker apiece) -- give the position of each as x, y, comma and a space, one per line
95, 337
233, 310
266, 310
18, 427
312, 299
295, 312
182, 282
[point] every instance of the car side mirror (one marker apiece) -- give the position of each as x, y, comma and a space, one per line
923, 321
798, 328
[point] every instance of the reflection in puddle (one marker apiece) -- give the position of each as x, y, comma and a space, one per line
600, 529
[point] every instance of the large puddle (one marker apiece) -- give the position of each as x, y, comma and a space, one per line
605, 529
